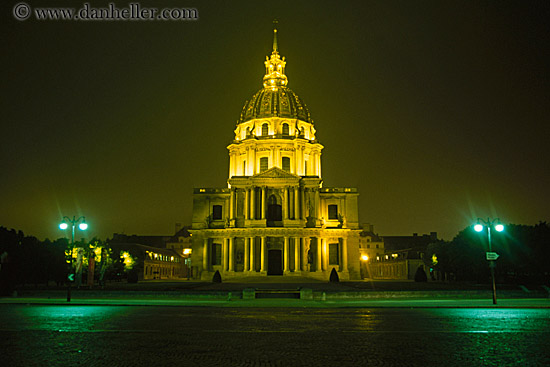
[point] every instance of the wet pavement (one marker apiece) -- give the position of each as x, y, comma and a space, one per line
67, 335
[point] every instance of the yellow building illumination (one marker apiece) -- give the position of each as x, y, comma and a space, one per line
275, 217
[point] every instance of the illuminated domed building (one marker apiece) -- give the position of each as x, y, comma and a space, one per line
275, 217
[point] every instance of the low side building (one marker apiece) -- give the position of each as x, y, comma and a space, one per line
371, 245
396, 265
153, 262
402, 257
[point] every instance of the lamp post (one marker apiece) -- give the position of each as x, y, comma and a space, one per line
491, 256
63, 226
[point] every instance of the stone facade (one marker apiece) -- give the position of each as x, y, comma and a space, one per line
275, 217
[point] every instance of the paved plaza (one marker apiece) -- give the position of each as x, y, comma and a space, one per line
68, 335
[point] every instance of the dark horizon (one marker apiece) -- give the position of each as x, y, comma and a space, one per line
437, 112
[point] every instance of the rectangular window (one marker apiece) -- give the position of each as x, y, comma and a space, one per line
333, 258
333, 212
264, 164
286, 164
217, 212
216, 254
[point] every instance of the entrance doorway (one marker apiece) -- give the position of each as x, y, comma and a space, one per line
274, 262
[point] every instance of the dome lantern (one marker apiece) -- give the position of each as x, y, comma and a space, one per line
275, 67
275, 99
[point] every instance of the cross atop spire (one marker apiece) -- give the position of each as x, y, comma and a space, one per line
275, 22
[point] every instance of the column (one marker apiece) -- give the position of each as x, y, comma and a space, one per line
231, 251
254, 163
302, 160
294, 167
264, 194
319, 255
252, 254
246, 202
231, 203
224, 255
246, 254
305, 246
248, 161
230, 165
319, 158
303, 203
325, 254
316, 201
297, 256
285, 203
205, 255
296, 203
286, 256
253, 200
318, 163
262, 255
344, 254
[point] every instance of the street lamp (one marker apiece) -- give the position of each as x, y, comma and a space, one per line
491, 256
63, 226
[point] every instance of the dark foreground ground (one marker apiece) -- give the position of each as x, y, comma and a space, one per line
71, 335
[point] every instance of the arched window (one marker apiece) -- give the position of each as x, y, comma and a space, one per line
265, 130
285, 129
286, 164
264, 163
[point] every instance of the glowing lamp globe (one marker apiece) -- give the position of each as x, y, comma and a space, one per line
63, 225
364, 257
499, 228
478, 227
83, 226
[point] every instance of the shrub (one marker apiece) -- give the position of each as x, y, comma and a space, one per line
334, 276
420, 275
217, 278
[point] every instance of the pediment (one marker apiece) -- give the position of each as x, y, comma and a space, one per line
275, 172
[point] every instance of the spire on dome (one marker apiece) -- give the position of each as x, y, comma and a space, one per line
275, 35
275, 66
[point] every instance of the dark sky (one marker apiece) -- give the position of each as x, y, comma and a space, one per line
437, 111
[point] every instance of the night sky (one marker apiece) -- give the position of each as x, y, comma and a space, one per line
437, 111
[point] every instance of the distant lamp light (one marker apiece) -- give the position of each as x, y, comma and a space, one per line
364, 258
83, 226
494, 223
63, 226
186, 251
